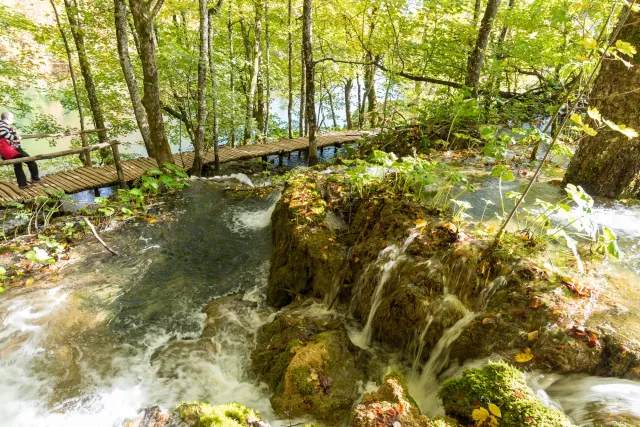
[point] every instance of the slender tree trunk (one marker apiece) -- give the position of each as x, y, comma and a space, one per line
129, 76
370, 89
214, 89
232, 137
144, 14
476, 13
203, 56
255, 71
608, 164
359, 102
333, 111
348, 85
85, 68
85, 157
310, 84
476, 57
267, 70
303, 79
290, 76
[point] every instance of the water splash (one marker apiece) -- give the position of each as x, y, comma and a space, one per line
246, 220
240, 177
388, 258
421, 343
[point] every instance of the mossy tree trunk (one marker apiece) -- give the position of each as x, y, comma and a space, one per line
608, 164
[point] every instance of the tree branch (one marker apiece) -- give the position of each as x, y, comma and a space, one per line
156, 8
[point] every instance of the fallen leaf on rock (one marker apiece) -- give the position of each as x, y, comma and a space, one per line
524, 357
532, 336
479, 415
593, 340
420, 223
518, 393
495, 410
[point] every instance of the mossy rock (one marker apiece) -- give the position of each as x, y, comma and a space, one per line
505, 387
307, 360
306, 256
199, 414
391, 404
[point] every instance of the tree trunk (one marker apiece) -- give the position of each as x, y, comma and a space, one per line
255, 70
310, 84
333, 111
348, 85
144, 14
267, 45
290, 76
302, 92
232, 137
370, 88
214, 89
84, 157
476, 13
129, 76
608, 164
85, 68
476, 57
359, 102
203, 56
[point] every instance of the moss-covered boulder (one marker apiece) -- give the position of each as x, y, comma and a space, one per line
309, 363
391, 405
200, 414
306, 257
499, 392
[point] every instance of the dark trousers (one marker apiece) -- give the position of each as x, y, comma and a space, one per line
33, 169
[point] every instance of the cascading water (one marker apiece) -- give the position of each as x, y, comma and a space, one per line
124, 333
388, 258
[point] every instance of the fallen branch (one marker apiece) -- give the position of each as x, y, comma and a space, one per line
95, 234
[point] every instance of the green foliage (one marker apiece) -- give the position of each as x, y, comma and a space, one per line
129, 202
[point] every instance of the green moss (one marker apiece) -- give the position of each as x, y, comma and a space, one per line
502, 385
199, 414
301, 378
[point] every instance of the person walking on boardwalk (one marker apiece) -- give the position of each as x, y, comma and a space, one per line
12, 138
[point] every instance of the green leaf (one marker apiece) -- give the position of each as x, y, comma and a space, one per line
626, 48
577, 118
589, 130
2, 289
626, 131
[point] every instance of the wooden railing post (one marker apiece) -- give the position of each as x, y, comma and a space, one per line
118, 163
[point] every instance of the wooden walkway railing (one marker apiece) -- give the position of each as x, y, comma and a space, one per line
86, 178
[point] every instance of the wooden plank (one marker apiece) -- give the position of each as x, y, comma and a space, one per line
62, 134
57, 154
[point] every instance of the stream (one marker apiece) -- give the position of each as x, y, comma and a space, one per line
119, 334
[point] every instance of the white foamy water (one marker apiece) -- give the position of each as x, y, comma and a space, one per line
246, 220
165, 369
240, 177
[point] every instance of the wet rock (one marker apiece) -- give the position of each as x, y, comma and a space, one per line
497, 395
149, 417
309, 363
307, 256
391, 405
200, 414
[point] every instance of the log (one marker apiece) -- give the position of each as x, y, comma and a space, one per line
62, 134
57, 154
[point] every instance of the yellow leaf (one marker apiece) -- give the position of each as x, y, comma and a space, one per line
589, 130
495, 410
594, 114
421, 223
524, 357
29, 281
491, 229
577, 118
480, 415
532, 336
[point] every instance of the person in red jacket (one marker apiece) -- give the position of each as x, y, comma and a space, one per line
8, 132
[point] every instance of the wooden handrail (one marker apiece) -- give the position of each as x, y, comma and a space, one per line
62, 134
59, 153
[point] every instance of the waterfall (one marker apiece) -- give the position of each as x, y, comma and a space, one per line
389, 258
240, 177
416, 360
439, 357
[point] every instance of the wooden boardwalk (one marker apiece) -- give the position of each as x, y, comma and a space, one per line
81, 179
